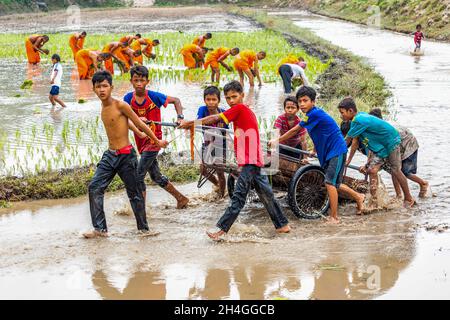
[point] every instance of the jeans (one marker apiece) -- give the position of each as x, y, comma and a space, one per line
125, 165
286, 74
249, 175
149, 163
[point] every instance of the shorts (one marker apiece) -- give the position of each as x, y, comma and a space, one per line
409, 165
54, 91
418, 45
334, 170
392, 163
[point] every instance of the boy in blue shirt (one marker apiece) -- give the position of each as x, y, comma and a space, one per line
379, 137
329, 144
213, 148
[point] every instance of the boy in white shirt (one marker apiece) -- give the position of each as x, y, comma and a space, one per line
55, 81
290, 71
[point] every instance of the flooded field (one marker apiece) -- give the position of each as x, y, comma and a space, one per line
388, 254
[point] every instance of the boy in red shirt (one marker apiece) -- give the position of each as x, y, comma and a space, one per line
147, 105
248, 152
286, 122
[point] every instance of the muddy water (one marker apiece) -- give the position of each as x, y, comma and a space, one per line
389, 254
34, 130
191, 19
30, 113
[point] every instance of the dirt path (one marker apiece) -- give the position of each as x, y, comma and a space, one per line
147, 19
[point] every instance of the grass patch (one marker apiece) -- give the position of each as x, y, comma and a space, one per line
70, 183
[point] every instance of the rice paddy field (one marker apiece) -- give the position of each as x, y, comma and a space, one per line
35, 137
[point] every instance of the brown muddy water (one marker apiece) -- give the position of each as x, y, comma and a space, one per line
388, 254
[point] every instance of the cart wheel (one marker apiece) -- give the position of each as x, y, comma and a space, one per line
307, 194
231, 182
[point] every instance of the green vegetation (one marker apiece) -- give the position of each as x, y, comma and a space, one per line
27, 84
19, 6
169, 61
69, 183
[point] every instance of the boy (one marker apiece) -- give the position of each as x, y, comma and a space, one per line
213, 144
290, 71
330, 147
88, 62
115, 50
147, 105
379, 137
247, 63
146, 51
33, 47
418, 36
409, 148
130, 38
192, 55
119, 159
200, 41
76, 42
217, 57
286, 122
248, 152
55, 81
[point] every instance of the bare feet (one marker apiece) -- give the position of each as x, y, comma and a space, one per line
95, 234
360, 204
182, 202
409, 203
148, 233
216, 236
423, 190
333, 220
284, 229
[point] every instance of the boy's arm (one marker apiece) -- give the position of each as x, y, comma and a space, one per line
129, 113
221, 60
55, 73
133, 128
177, 104
258, 76
304, 144
355, 144
94, 58
304, 78
37, 45
285, 136
186, 124
111, 50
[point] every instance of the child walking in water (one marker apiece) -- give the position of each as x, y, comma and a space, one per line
248, 152
55, 81
119, 159
418, 36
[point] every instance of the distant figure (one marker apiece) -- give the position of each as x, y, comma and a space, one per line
76, 42
247, 62
55, 81
418, 36
146, 51
291, 71
200, 41
192, 54
216, 57
33, 46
